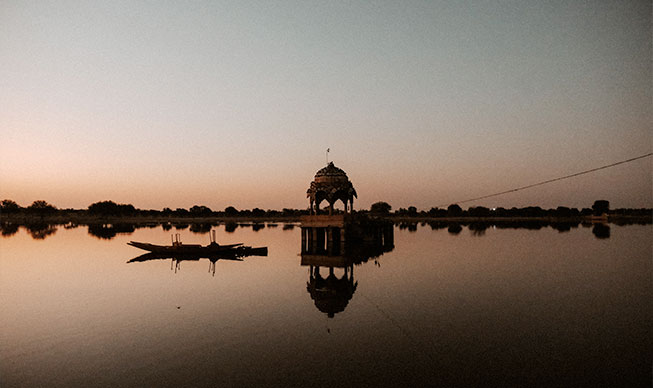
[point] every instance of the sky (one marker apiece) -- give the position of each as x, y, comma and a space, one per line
422, 103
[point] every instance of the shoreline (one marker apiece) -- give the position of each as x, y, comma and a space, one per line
144, 219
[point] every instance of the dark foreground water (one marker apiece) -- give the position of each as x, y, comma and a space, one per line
506, 307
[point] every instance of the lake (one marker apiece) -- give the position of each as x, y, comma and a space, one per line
445, 307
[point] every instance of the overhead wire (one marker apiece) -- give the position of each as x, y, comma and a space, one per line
555, 179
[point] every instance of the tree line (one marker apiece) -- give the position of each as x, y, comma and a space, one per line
110, 208
599, 208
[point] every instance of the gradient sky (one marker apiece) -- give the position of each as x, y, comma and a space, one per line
172, 104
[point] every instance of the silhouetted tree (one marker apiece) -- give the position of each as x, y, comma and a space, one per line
380, 208
289, 212
600, 207
437, 212
107, 208
478, 211
8, 206
231, 211
454, 210
181, 212
412, 211
200, 210
562, 211
41, 207
533, 211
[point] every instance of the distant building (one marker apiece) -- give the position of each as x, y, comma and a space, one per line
331, 184
338, 241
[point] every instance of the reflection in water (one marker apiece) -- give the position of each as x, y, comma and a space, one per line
179, 252
411, 226
445, 311
109, 231
478, 228
176, 259
333, 249
601, 231
40, 231
8, 228
201, 228
454, 228
331, 294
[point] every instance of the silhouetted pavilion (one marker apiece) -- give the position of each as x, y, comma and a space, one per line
325, 237
331, 184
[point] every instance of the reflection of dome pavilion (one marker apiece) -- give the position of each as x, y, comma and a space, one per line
331, 294
331, 184
336, 242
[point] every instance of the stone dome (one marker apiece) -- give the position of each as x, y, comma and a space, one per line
331, 184
331, 171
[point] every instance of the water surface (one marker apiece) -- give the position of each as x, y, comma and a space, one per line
514, 307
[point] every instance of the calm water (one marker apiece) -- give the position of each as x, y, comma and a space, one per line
513, 307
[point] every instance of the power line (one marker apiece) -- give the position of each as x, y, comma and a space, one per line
555, 179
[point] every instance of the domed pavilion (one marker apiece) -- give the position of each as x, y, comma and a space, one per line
331, 184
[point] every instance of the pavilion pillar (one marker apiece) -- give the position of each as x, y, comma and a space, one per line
314, 239
329, 240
